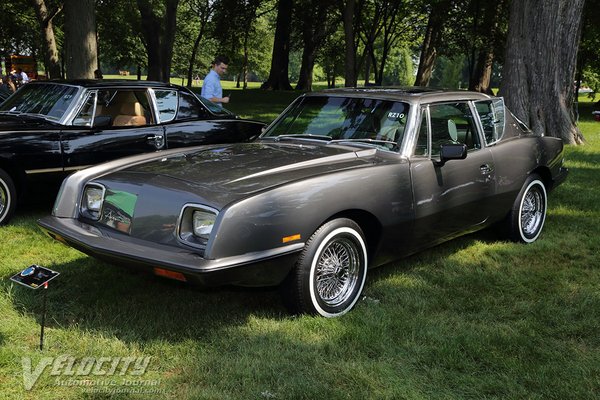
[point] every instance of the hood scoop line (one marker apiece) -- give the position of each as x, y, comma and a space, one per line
309, 163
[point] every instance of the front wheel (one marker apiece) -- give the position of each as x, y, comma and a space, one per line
527, 216
8, 197
331, 271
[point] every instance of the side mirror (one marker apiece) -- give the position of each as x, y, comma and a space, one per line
452, 152
102, 121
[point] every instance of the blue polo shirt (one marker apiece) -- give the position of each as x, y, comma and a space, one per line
212, 86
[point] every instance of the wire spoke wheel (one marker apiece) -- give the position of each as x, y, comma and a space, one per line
532, 212
330, 272
337, 271
527, 216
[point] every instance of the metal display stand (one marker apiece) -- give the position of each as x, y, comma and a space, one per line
34, 277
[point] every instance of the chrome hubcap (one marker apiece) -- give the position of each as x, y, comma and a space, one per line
337, 271
532, 213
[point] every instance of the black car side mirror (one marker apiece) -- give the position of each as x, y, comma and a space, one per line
452, 152
102, 121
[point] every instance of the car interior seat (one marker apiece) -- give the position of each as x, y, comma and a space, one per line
130, 114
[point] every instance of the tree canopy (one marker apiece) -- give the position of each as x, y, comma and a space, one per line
282, 43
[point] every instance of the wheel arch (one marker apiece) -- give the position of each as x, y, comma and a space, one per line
17, 174
367, 222
546, 176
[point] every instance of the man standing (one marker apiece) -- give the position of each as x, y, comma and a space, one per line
211, 88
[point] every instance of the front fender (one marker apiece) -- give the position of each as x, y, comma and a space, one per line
292, 212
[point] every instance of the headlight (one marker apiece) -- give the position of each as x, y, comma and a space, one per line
203, 222
196, 223
91, 203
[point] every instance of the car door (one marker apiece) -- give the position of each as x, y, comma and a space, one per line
187, 122
111, 123
455, 196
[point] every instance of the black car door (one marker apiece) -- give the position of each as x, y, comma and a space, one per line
456, 196
112, 123
188, 122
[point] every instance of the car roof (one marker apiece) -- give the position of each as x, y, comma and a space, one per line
413, 94
100, 83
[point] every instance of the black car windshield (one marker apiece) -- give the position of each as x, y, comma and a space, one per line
372, 122
47, 100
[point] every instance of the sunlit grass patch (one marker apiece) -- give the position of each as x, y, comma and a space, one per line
477, 317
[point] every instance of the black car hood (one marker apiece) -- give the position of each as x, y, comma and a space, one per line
249, 167
24, 122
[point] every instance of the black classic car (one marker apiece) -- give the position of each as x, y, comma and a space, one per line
49, 129
342, 181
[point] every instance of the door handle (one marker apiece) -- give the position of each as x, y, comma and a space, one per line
159, 140
486, 169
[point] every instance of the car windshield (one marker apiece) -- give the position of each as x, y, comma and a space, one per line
343, 119
48, 100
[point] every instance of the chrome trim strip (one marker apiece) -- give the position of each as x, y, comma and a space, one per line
49, 170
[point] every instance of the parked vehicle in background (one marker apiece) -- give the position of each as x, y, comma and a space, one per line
49, 129
342, 181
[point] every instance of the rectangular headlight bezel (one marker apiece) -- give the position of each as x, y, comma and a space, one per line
187, 233
93, 213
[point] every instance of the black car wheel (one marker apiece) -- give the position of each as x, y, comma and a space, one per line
330, 272
8, 197
526, 219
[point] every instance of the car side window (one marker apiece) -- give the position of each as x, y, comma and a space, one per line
166, 103
86, 114
190, 107
491, 115
124, 107
452, 123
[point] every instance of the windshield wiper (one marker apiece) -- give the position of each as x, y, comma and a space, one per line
370, 141
304, 136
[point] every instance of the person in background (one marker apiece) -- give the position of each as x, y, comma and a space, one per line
8, 84
22, 77
5, 88
212, 89
98, 74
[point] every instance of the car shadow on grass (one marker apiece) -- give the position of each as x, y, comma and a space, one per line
133, 305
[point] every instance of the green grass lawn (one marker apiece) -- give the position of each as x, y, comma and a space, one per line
476, 318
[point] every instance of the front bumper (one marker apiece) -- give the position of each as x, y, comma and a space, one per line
264, 268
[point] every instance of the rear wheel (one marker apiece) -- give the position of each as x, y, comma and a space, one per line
8, 197
330, 272
527, 216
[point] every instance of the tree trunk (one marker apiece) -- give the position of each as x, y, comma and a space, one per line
306, 70
159, 36
278, 76
245, 63
539, 69
193, 56
348, 8
51, 62
433, 35
481, 74
309, 54
80, 39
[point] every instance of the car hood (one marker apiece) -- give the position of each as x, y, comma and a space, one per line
217, 172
